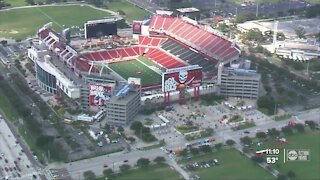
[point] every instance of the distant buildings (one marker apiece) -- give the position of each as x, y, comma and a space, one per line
300, 50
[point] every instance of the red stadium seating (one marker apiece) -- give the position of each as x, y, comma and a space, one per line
163, 58
193, 35
150, 41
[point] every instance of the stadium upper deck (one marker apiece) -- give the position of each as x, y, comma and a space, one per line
195, 36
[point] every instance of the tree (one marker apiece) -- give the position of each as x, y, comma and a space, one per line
131, 139
218, 146
258, 159
107, 127
299, 127
143, 162
194, 151
261, 135
109, 173
124, 168
246, 140
273, 132
183, 153
136, 126
159, 159
120, 129
89, 175
254, 35
311, 124
31, 2
268, 103
286, 130
230, 142
205, 148
300, 32
291, 174
313, 11
318, 36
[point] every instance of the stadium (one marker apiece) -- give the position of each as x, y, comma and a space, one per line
162, 47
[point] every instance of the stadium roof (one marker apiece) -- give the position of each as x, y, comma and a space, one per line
188, 10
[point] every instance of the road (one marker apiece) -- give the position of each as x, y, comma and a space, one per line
113, 161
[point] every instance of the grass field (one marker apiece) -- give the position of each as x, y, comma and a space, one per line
232, 166
131, 12
149, 62
20, 23
16, 3
303, 170
153, 172
5, 105
134, 68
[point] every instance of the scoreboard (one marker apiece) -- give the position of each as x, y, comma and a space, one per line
100, 28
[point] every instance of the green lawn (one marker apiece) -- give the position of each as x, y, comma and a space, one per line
19, 23
131, 12
154, 172
232, 166
6, 107
16, 3
134, 68
303, 170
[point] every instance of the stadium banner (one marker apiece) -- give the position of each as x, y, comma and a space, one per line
181, 78
99, 94
136, 27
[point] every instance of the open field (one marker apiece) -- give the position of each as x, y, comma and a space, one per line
134, 68
303, 170
154, 172
16, 3
232, 166
20, 23
131, 12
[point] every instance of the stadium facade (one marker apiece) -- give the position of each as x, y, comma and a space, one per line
176, 46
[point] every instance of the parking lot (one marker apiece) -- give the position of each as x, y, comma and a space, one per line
199, 116
14, 163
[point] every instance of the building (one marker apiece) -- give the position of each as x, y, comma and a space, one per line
238, 82
300, 50
123, 107
37, 52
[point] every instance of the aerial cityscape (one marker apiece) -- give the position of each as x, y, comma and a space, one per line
160, 89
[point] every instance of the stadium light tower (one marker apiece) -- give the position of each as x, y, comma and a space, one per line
275, 32
257, 9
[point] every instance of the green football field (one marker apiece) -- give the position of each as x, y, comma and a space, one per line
20, 23
134, 68
303, 170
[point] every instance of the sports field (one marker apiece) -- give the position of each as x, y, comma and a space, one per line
148, 62
303, 170
134, 68
131, 12
232, 166
20, 23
